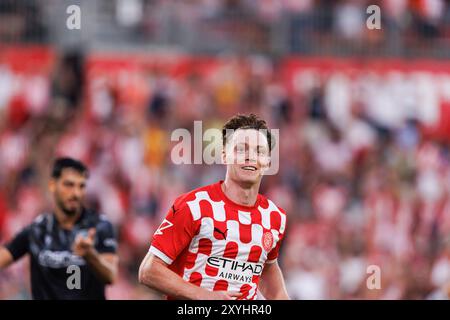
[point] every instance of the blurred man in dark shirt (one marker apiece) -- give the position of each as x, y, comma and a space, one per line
72, 249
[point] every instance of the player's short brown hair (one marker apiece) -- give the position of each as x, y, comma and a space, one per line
241, 121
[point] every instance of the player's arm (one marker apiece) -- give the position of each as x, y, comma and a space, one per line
15, 249
171, 238
272, 284
155, 274
103, 265
6, 258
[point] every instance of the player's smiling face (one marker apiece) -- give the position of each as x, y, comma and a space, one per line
247, 155
69, 191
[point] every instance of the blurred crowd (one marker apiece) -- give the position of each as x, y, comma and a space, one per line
364, 184
408, 27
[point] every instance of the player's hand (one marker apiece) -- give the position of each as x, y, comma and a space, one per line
82, 246
221, 295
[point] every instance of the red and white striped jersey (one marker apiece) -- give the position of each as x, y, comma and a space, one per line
217, 244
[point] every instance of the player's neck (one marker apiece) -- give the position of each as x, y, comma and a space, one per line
64, 220
240, 194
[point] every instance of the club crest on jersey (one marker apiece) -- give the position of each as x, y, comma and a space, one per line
267, 240
164, 225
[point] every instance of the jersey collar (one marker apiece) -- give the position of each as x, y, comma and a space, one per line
219, 191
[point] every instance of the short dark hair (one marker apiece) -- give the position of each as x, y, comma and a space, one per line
251, 121
68, 163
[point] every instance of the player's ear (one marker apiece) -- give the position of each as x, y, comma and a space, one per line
52, 185
265, 165
224, 156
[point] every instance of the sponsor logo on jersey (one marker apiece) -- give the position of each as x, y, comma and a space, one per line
221, 233
59, 259
230, 269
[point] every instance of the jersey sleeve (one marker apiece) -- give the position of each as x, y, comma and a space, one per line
273, 254
174, 234
106, 237
20, 244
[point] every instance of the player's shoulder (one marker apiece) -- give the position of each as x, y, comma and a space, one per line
99, 220
40, 224
103, 221
266, 203
41, 221
267, 208
184, 201
201, 192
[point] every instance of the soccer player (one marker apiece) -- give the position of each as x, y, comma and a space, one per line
72, 241
221, 241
